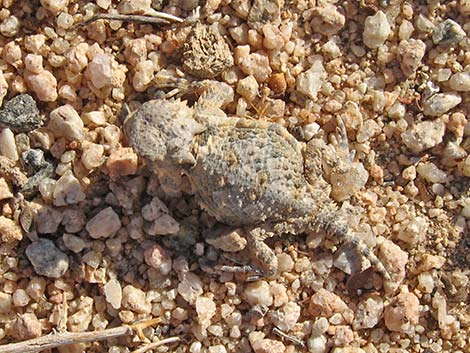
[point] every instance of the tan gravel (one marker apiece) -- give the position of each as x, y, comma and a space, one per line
124, 242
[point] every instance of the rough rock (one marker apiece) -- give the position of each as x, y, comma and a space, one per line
47, 259
376, 30
20, 114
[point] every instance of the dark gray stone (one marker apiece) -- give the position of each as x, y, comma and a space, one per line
448, 32
20, 114
47, 259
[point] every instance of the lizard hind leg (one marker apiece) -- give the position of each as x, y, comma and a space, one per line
265, 259
332, 225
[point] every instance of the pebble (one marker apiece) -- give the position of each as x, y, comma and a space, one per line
205, 310
10, 26
460, 81
163, 225
33, 160
74, 219
440, 103
424, 135
46, 218
262, 12
426, 282
279, 292
10, 230
277, 83
3, 87
129, 7
403, 313
134, 299
20, 114
99, 70
55, 6
5, 303
343, 335
258, 292
8, 144
73, 242
122, 161
158, 258
33, 63
317, 344
20, 298
376, 30
154, 210
80, 320
326, 303
448, 32
105, 224
414, 231
394, 259
248, 88
431, 261
327, 19
256, 64
135, 51
273, 38
285, 262
94, 118
368, 312
92, 155
431, 173
267, 345
310, 82
367, 130
351, 350
65, 122
411, 53
190, 287
43, 84
217, 349
113, 293
286, 317
26, 326
143, 75
5, 192
67, 190
346, 259
47, 259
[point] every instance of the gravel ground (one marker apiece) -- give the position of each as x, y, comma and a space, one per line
91, 238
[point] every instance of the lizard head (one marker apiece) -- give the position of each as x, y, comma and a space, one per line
162, 131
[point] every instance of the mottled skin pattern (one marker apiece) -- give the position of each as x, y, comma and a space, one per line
247, 174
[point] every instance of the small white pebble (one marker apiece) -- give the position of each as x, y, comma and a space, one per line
8, 144
258, 292
43, 84
431, 173
67, 190
65, 122
134, 299
113, 293
376, 30
20, 298
10, 26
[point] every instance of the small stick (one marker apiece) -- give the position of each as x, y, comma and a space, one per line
62, 339
156, 18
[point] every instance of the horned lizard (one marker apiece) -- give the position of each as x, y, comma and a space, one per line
247, 174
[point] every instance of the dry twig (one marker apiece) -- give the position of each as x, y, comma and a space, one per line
66, 338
